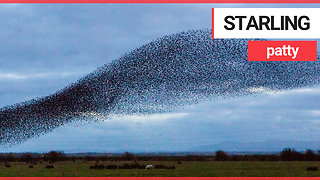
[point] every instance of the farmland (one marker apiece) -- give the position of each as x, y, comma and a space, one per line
182, 168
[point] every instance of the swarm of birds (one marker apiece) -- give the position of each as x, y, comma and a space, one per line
170, 72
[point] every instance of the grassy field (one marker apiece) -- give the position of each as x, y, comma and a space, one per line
186, 168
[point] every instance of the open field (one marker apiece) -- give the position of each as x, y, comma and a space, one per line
186, 168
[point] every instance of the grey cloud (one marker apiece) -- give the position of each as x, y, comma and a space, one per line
78, 38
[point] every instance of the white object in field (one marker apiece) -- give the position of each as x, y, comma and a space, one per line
149, 166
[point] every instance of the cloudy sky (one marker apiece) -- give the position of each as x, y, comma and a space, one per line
45, 47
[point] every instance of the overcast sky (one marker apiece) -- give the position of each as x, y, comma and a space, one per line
45, 47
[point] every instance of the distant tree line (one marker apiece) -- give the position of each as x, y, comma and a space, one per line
287, 154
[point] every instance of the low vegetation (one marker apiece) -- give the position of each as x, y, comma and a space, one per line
286, 163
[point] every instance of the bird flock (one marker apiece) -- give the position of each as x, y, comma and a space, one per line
165, 74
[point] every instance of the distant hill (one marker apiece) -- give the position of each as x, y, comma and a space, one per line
265, 146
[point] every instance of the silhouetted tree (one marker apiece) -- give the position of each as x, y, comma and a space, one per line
27, 157
289, 154
128, 156
318, 155
221, 156
310, 155
54, 156
10, 158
